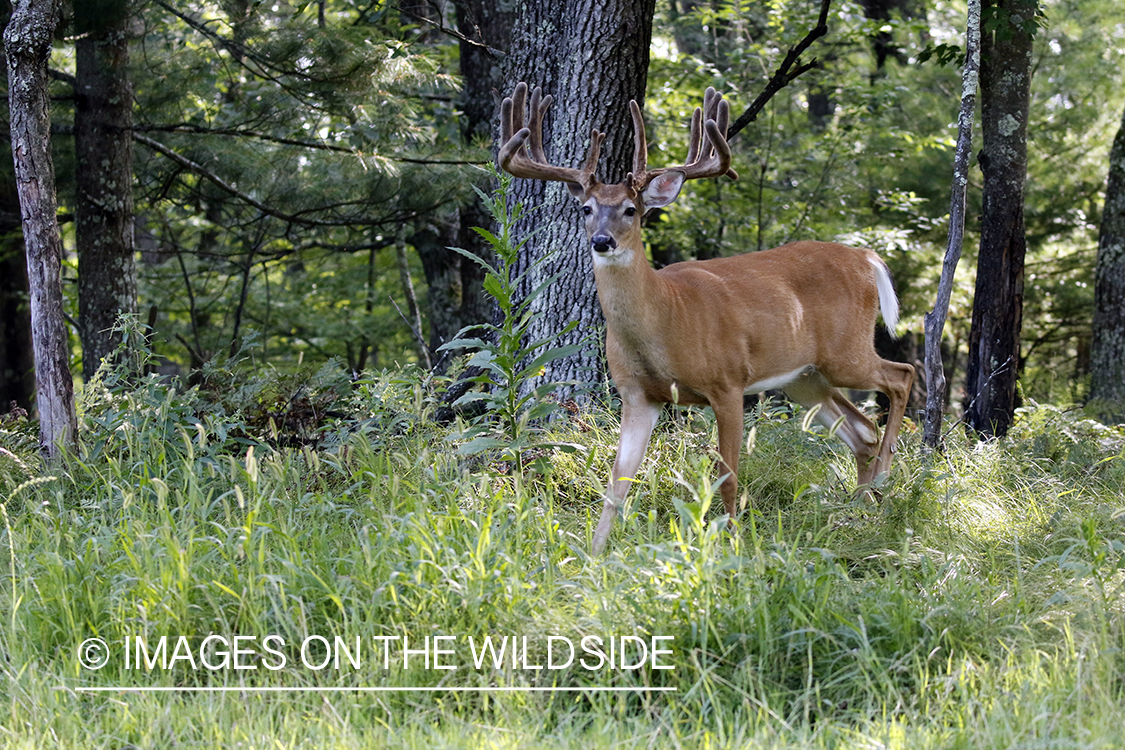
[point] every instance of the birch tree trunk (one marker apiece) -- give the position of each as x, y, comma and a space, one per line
27, 44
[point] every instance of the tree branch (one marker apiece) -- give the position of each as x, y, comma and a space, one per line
246, 133
263, 67
441, 27
234, 192
784, 76
300, 218
935, 318
243, 133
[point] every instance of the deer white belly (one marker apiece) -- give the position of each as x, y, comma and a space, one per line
778, 381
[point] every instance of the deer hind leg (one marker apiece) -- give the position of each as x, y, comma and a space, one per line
638, 418
895, 380
837, 413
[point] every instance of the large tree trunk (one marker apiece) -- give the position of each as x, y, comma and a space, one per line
17, 366
103, 142
592, 57
454, 282
483, 73
27, 44
1107, 355
1005, 85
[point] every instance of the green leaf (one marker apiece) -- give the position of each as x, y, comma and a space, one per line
481, 444
473, 397
460, 343
551, 355
473, 256
494, 286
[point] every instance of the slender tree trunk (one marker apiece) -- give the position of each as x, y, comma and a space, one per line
592, 57
935, 319
443, 271
103, 121
17, 364
1107, 355
413, 313
998, 302
27, 44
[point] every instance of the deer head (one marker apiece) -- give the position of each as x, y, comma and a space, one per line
613, 212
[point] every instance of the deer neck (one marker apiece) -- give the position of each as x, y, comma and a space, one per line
629, 290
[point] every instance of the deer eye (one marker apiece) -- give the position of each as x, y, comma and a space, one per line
586, 210
630, 211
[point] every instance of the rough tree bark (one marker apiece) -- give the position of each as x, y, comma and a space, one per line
1107, 354
27, 44
592, 57
1005, 86
17, 366
935, 319
103, 143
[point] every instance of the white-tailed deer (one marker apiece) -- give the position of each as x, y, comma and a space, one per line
800, 317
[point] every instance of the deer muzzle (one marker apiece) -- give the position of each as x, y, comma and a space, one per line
602, 243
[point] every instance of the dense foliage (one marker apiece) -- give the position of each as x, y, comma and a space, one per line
286, 151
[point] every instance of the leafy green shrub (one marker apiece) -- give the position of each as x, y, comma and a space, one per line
514, 404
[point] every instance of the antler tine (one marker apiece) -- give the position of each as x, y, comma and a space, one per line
539, 104
708, 151
512, 138
506, 129
711, 99
640, 141
696, 137
721, 124
521, 151
592, 155
717, 109
519, 103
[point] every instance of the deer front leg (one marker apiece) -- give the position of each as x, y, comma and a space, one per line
638, 418
728, 416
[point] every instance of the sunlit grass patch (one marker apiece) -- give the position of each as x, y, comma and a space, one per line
978, 604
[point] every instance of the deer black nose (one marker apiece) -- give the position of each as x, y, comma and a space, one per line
603, 243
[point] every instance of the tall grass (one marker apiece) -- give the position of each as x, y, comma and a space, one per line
984, 609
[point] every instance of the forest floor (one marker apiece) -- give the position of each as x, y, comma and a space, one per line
338, 593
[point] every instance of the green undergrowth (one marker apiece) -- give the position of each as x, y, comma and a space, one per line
979, 604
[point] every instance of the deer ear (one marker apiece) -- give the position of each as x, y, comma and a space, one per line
577, 191
663, 189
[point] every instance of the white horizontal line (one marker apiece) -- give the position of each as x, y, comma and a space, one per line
366, 689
